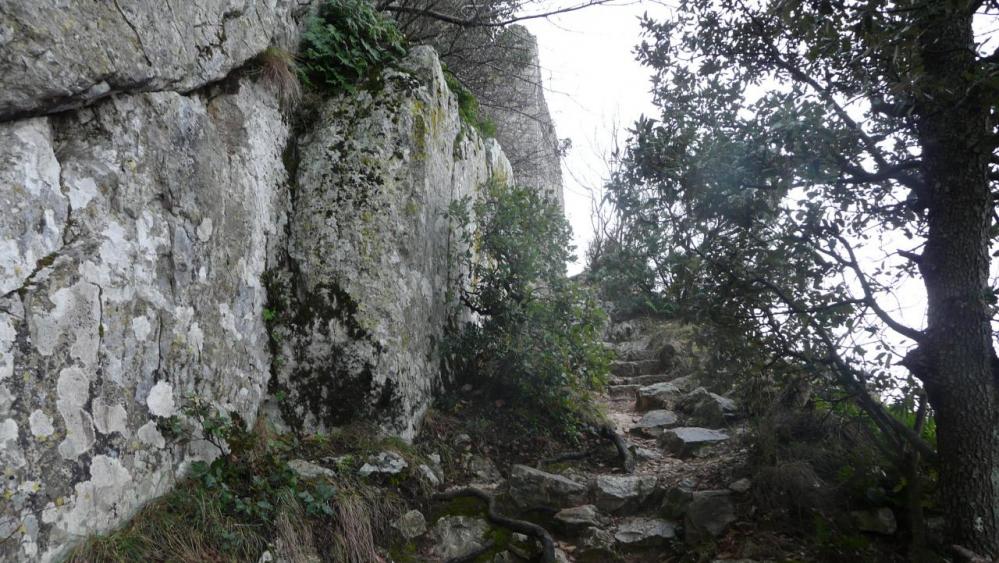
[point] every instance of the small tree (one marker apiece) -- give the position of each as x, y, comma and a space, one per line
538, 333
797, 138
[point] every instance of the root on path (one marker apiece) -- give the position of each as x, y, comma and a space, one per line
520, 526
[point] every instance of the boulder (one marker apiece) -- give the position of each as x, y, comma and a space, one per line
385, 463
596, 544
458, 536
653, 423
705, 408
429, 475
741, 486
684, 441
411, 525
707, 516
484, 470
524, 546
580, 517
644, 532
535, 489
622, 493
662, 395
676, 500
307, 470
880, 521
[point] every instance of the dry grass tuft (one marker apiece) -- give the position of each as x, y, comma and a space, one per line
277, 68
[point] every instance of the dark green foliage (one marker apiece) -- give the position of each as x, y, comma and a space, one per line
344, 43
539, 332
468, 106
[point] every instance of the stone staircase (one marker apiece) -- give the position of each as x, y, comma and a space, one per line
678, 431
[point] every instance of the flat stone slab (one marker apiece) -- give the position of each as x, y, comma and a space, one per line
653, 423
535, 489
684, 441
644, 532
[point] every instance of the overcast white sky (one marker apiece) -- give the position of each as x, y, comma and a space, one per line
593, 83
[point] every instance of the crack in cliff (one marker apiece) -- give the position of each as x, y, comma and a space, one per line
138, 37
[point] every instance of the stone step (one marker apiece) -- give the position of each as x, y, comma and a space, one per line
684, 441
655, 423
649, 379
631, 369
618, 391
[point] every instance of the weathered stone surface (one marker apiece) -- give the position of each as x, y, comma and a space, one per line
635, 368
741, 485
514, 99
663, 395
676, 500
622, 493
653, 423
705, 408
308, 470
617, 391
881, 521
130, 269
597, 544
644, 532
484, 470
385, 463
684, 441
411, 524
372, 249
532, 488
457, 536
580, 517
707, 516
56, 55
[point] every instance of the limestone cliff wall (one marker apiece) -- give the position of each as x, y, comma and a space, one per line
156, 202
363, 305
513, 97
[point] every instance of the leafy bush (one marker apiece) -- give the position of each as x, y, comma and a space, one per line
538, 338
344, 42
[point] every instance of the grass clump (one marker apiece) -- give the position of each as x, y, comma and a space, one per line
468, 106
344, 43
278, 69
249, 499
538, 341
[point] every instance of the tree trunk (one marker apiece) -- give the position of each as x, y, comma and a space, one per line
957, 353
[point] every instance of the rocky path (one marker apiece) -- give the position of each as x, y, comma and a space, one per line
681, 492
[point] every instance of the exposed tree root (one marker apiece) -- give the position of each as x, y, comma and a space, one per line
520, 526
568, 456
627, 459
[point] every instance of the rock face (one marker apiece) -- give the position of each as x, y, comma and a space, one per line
56, 55
523, 124
148, 235
131, 269
371, 251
